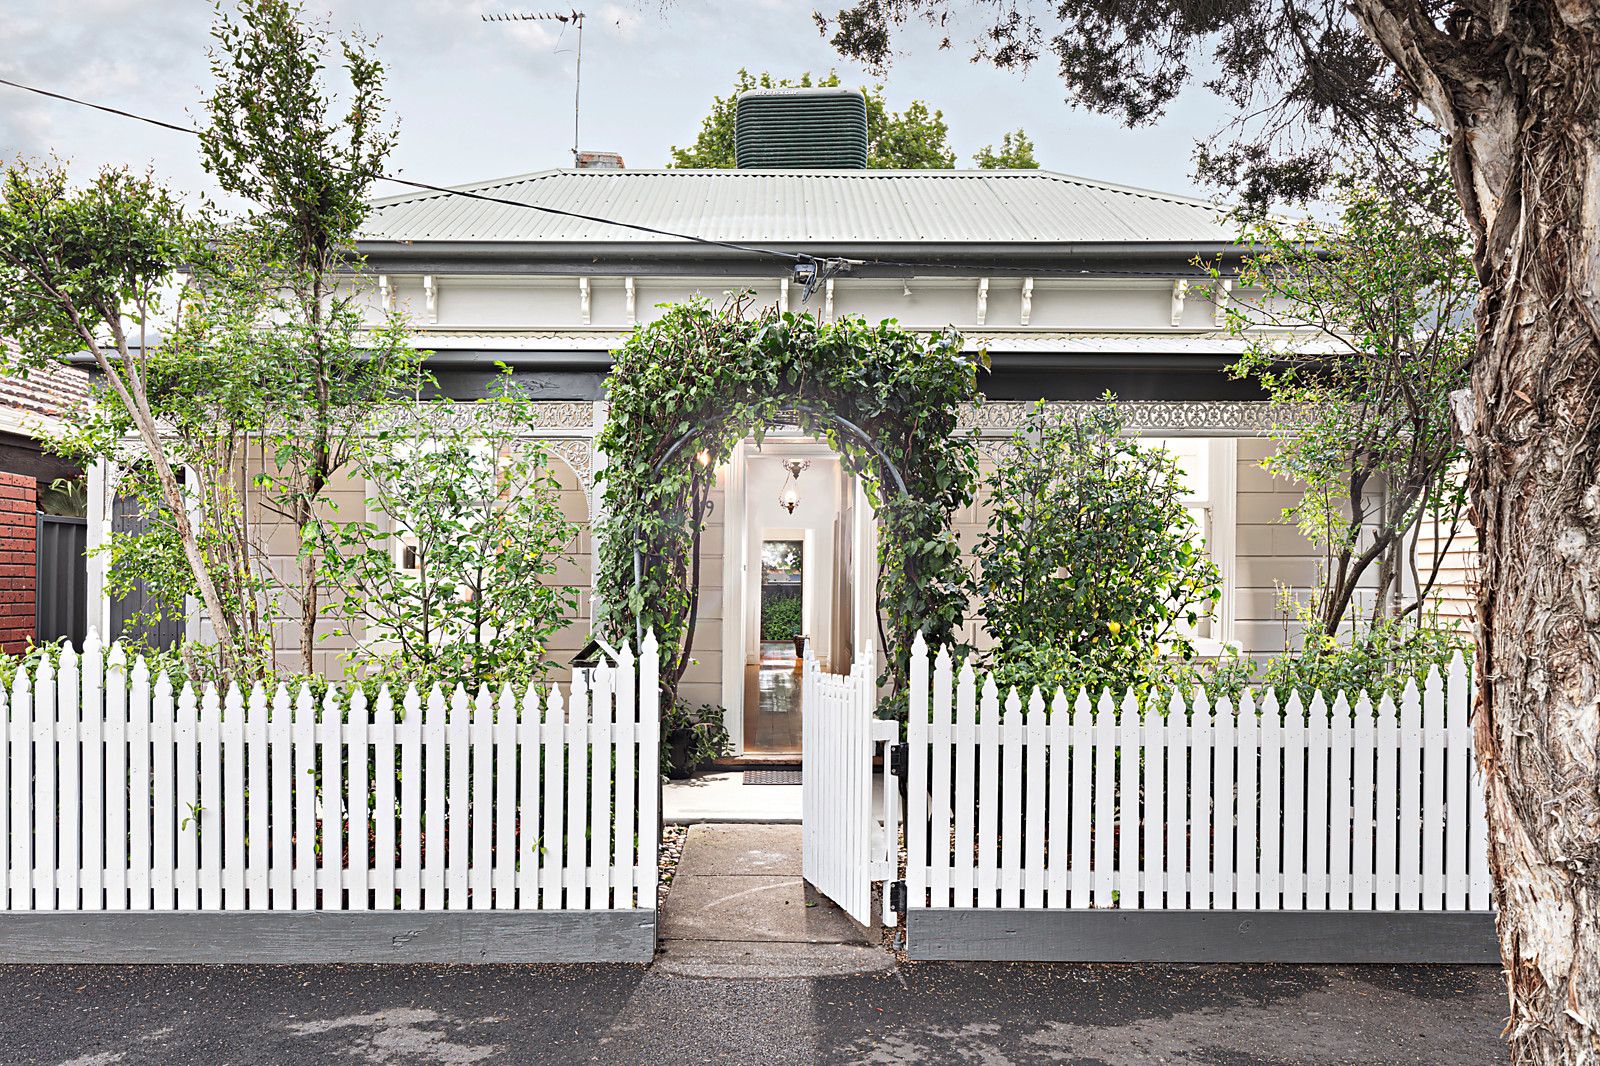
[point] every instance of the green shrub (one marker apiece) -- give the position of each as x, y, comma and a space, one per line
781, 617
692, 738
1089, 566
1378, 660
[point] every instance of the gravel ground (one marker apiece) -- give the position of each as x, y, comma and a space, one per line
920, 1013
672, 837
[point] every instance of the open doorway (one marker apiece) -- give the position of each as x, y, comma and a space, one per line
795, 526
772, 710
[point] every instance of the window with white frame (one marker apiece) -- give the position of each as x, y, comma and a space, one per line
1207, 464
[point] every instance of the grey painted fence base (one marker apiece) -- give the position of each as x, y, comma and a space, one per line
328, 936
1202, 936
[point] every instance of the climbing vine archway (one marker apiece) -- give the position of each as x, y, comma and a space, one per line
686, 388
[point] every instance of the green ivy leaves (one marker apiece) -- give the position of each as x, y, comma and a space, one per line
715, 374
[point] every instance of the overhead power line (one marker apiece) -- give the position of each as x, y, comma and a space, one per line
812, 269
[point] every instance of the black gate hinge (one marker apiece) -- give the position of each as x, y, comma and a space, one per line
900, 760
897, 897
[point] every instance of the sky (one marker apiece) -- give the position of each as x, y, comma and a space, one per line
480, 100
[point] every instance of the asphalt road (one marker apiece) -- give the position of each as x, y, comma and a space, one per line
920, 1013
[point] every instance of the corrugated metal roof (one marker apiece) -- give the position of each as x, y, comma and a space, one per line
1024, 207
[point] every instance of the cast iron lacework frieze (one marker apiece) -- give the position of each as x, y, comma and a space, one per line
1155, 417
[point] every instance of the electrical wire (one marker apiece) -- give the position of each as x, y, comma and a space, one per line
820, 268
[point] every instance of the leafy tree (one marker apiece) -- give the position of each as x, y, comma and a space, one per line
1015, 153
208, 380
277, 137
1090, 557
1390, 285
914, 139
1510, 90
457, 581
83, 269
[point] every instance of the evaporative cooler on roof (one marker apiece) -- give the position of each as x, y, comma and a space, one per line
800, 129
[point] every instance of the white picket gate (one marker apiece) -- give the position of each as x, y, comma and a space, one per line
844, 846
122, 795
1347, 804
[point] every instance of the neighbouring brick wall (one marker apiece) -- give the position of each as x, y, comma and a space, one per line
19, 506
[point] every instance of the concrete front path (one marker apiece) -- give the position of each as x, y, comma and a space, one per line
738, 907
722, 796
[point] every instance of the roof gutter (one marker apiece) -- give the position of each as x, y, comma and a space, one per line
898, 260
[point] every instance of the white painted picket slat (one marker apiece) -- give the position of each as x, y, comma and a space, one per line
1200, 804
1059, 821
236, 789
1154, 743
1386, 808
577, 744
92, 849
1179, 745
1411, 736
1223, 789
924, 850
1364, 751
1011, 802
384, 767
208, 824
480, 864
163, 805
988, 794
280, 734
601, 815
1248, 851
553, 862
963, 875
626, 740
305, 800
1270, 895
1340, 776
257, 824
1104, 804
1035, 814
1128, 789
1082, 802
70, 797
44, 787
1433, 791
358, 801
940, 791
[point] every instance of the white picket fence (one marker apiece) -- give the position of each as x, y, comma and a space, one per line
1341, 804
120, 794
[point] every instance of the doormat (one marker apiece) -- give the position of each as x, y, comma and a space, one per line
777, 775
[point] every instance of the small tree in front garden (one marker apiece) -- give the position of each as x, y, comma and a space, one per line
1365, 429
306, 157
457, 579
84, 269
1090, 570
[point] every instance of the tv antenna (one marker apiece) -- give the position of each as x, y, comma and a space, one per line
566, 18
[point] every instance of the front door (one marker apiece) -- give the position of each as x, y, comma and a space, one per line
773, 705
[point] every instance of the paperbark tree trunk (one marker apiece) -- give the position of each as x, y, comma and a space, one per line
1516, 90
1533, 431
